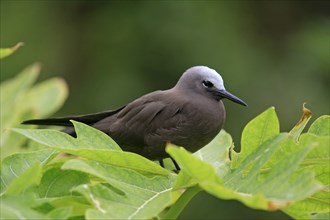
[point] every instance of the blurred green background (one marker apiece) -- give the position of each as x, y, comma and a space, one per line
270, 53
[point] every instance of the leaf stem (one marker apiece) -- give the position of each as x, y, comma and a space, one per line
181, 203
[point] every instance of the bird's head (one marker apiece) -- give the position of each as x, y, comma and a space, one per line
206, 81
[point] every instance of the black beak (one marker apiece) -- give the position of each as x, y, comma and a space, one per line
228, 95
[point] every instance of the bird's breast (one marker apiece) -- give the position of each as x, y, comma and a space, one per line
204, 122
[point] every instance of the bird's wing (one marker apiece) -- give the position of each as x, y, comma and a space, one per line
141, 118
65, 121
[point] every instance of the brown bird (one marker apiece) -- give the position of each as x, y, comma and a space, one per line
190, 115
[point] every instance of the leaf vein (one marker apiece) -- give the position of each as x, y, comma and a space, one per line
147, 201
51, 184
42, 162
11, 169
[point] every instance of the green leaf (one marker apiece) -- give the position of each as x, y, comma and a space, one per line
318, 161
56, 182
78, 203
92, 144
273, 171
306, 209
12, 95
256, 132
258, 193
29, 177
4, 52
19, 207
321, 126
87, 138
46, 98
319, 157
15, 165
60, 213
259, 130
128, 194
320, 216
183, 181
19, 101
261, 176
216, 152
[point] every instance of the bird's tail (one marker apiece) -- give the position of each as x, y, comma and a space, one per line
66, 121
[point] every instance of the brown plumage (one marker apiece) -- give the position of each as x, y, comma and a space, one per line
190, 115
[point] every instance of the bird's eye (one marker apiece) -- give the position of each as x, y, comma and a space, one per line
207, 84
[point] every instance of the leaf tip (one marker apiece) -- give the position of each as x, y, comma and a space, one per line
307, 114
306, 111
18, 45
36, 67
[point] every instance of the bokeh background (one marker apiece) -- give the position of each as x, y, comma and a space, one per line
270, 53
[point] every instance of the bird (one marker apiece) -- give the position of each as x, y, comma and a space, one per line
189, 115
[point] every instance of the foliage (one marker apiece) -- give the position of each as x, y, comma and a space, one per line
5, 52
273, 171
20, 100
286, 171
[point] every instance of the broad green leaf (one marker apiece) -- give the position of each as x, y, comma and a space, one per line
316, 204
87, 138
256, 132
263, 178
15, 165
92, 144
13, 142
183, 180
217, 152
46, 97
288, 147
56, 182
19, 207
318, 161
321, 126
250, 187
275, 172
259, 130
318, 157
320, 216
60, 213
78, 203
128, 194
12, 95
299, 127
29, 177
19, 101
246, 181
4, 52
206, 176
